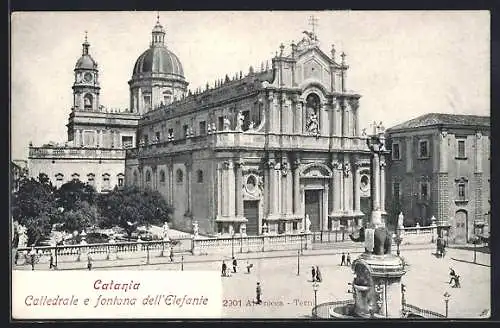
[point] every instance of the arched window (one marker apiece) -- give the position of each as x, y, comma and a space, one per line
87, 101
148, 176
75, 177
179, 176
121, 179
91, 179
106, 185
162, 176
199, 176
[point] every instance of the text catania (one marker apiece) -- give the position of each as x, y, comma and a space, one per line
112, 285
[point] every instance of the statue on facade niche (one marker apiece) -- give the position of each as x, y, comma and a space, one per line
312, 123
251, 126
347, 170
227, 124
195, 229
363, 132
240, 118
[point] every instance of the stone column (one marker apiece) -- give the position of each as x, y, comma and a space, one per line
376, 182
171, 183
275, 179
289, 192
347, 188
325, 207
337, 118
323, 113
267, 188
300, 117
337, 187
296, 187
220, 182
357, 191
345, 119
77, 138
140, 101
239, 188
226, 195
382, 183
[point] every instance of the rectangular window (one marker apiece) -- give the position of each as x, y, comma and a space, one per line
185, 130
395, 151
461, 191
461, 148
105, 182
147, 102
120, 182
424, 190
396, 190
220, 126
246, 120
203, 128
423, 148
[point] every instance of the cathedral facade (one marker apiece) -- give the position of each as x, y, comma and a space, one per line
94, 152
260, 152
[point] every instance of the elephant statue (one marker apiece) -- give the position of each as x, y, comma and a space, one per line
382, 239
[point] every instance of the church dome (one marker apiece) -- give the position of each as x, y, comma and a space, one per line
158, 59
86, 62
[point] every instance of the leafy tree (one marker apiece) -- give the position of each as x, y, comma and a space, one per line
80, 217
73, 192
130, 208
34, 207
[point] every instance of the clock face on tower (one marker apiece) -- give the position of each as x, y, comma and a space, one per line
88, 77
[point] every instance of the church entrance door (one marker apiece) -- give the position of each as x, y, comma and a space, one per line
313, 208
251, 212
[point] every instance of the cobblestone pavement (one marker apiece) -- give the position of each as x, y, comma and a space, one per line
288, 295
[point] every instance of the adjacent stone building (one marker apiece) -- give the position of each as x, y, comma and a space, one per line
255, 152
440, 166
97, 137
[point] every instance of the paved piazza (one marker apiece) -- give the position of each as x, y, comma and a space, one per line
286, 295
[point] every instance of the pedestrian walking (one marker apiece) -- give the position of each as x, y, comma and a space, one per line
452, 275
171, 254
318, 275
51, 262
89, 262
249, 266
32, 257
342, 262
258, 291
313, 273
235, 264
348, 261
224, 268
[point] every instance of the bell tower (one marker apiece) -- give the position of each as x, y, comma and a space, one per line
86, 85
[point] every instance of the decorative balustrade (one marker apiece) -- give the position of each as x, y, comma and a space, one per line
67, 152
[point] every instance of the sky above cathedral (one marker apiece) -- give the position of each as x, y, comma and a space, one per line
404, 64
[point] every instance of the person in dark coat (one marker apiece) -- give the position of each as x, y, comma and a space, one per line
343, 259
235, 264
224, 268
171, 254
32, 256
313, 273
348, 261
89, 262
452, 275
51, 261
258, 291
318, 275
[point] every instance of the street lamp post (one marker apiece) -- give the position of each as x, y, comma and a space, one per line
147, 253
298, 262
232, 245
446, 300
182, 263
315, 286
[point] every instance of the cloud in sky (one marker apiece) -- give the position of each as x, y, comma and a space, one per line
404, 64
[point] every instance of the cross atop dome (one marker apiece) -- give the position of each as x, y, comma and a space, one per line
85, 45
313, 21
